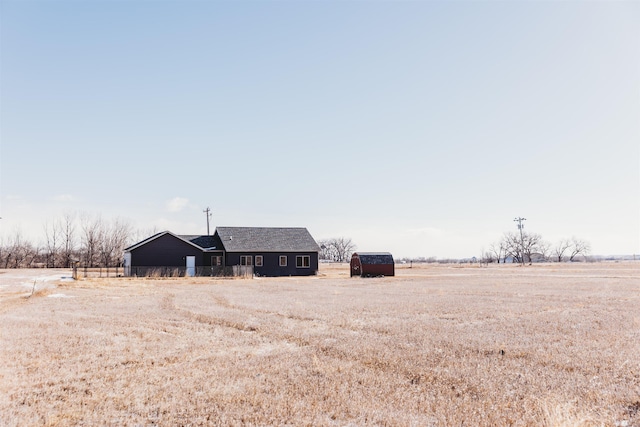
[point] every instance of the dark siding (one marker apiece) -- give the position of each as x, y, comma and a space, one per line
165, 251
370, 264
271, 263
378, 270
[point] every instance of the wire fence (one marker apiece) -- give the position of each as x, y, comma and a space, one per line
97, 272
182, 271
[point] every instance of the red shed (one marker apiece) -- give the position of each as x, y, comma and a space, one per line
367, 264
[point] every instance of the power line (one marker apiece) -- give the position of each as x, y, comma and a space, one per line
520, 227
208, 213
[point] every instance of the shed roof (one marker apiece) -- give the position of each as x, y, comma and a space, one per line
375, 257
266, 239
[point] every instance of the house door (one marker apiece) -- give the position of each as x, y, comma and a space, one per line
127, 264
191, 266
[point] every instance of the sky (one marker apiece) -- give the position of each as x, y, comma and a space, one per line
422, 128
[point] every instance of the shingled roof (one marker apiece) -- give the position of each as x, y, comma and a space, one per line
375, 257
187, 239
205, 242
266, 239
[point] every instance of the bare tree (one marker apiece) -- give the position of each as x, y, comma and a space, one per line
32, 254
579, 247
53, 240
486, 257
112, 240
544, 249
498, 251
68, 230
101, 243
4, 252
529, 245
92, 231
532, 245
522, 248
344, 248
12, 257
560, 249
337, 249
325, 250
122, 233
19, 253
512, 246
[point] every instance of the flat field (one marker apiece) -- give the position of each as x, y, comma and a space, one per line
437, 345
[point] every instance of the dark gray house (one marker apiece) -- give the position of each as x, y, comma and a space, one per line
263, 251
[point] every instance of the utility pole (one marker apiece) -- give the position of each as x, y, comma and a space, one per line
520, 227
208, 213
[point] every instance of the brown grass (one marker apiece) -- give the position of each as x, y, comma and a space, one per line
545, 345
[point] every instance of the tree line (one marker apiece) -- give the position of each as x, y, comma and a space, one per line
531, 247
336, 249
88, 239
95, 242
512, 247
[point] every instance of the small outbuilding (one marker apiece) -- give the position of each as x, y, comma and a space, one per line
368, 264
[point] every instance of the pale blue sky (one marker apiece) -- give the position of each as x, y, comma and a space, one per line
418, 127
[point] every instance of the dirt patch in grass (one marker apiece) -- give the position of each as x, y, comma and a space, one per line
544, 345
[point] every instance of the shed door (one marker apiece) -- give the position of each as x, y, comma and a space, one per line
191, 266
355, 266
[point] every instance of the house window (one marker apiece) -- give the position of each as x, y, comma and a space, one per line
258, 260
303, 261
246, 260
283, 260
216, 261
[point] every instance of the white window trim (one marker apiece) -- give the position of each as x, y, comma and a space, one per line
283, 257
246, 257
258, 257
302, 257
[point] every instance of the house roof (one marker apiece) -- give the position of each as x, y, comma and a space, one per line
246, 239
142, 242
157, 235
266, 239
205, 242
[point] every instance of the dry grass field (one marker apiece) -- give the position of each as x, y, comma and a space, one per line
437, 345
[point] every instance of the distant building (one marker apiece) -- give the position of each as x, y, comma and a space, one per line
369, 264
263, 251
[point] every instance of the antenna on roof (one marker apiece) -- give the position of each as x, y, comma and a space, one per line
208, 212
